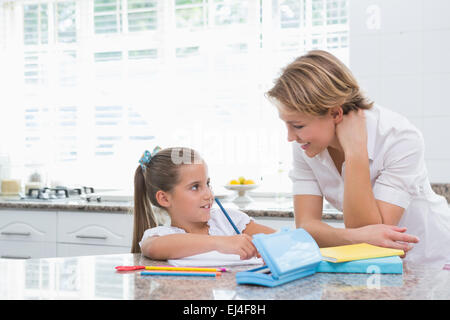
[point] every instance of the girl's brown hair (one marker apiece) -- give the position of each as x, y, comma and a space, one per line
317, 82
160, 173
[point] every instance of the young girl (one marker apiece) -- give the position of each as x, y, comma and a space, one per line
367, 161
176, 180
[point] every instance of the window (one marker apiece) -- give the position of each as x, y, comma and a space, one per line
35, 24
191, 13
142, 15
103, 80
34, 67
107, 16
138, 15
66, 21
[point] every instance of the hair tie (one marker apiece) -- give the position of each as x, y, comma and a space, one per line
147, 156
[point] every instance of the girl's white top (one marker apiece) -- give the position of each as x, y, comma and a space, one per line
218, 225
398, 176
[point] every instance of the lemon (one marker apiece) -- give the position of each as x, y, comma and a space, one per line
249, 181
234, 182
241, 180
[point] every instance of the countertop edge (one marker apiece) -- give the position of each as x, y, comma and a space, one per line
127, 209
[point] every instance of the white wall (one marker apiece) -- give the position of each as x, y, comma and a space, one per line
400, 54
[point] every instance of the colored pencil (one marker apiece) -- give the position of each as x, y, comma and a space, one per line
178, 273
227, 216
132, 268
186, 268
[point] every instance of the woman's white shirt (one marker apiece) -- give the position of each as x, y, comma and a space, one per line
398, 176
218, 225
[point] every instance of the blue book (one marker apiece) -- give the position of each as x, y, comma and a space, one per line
392, 264
289, 255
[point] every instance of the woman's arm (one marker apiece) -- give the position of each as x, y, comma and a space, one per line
175, 246
360, 207
308, 215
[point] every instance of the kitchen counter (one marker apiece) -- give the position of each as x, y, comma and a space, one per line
94, 277
260, 207
281, 207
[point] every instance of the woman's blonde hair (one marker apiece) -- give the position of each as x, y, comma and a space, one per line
317, 82
160, 173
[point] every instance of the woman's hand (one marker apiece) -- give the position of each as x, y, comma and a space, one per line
240, 244
352, 133
387, 236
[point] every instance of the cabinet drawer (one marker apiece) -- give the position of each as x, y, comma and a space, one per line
27, 225
72, 250
27, 250
95, 228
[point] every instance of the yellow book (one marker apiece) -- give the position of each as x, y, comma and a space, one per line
357, 252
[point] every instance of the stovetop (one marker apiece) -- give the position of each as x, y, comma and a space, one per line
59, 193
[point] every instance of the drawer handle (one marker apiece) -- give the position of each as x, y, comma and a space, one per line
15, 257
26, 234
91, 237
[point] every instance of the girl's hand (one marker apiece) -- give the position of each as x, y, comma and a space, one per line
387, 236
240, 244
352, 133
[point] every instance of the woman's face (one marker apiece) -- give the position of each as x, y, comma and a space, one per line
313, 133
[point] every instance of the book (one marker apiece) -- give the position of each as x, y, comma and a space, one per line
357, 252
214, 259
289, 255
393, 264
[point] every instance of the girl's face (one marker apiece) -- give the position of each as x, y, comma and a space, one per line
313, 133
192, 198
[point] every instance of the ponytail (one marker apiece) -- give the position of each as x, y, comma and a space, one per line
144, 217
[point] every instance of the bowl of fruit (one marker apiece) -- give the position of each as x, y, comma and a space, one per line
241, 185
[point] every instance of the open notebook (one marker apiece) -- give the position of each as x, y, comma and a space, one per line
214, 259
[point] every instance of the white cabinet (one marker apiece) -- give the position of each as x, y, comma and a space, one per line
85, 233
41, 234
72, 250
28, 225
27, 250
276, 222
27, 234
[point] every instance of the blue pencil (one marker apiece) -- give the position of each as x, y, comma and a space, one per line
175, 273
226, 215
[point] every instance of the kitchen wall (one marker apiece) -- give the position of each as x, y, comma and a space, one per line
10, 117
399, 52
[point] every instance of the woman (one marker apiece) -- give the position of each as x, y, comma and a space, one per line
367, 161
